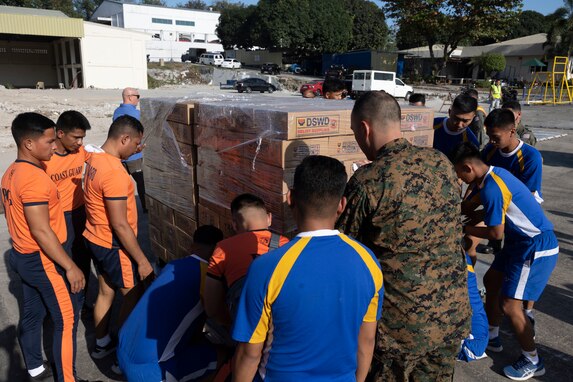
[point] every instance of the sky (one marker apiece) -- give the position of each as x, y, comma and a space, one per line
543, 6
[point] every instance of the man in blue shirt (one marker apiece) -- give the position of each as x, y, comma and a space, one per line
522, 269
507, 151
452, 130
311, 306
134, 163
158, 341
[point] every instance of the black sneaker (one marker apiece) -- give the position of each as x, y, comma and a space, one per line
116, 369
103, 351
482, 248
45, 375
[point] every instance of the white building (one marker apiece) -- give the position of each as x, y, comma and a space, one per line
47, 49
172, 30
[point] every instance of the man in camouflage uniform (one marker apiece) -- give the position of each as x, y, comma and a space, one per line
525, 134
405, 206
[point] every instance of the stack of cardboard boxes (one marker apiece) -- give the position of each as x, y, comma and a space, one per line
246, 145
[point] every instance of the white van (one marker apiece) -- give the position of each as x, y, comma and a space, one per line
211, 59
368, 80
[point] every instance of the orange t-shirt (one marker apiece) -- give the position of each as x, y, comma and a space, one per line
106, 179
233, 256
27, 184
66, 171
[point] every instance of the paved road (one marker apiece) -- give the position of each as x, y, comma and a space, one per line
554, 311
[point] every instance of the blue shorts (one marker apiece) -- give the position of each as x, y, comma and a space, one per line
115, 264
526, 265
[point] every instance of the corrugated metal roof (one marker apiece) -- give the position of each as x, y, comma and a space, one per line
30, 11
39, 22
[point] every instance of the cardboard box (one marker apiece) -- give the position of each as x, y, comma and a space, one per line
415, 118
183, 133
183, 112
423, 138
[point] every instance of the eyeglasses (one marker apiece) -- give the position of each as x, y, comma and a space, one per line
134, 95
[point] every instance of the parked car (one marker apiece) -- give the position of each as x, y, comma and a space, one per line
231, 63
315, 86
372, 80
270, 68
211, 59
256, 84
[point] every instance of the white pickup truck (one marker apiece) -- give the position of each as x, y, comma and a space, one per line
369, 80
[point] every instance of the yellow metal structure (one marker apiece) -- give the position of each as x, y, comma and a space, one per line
551, 87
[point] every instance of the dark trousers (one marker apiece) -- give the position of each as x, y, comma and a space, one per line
135, 169
45, 289
75, 245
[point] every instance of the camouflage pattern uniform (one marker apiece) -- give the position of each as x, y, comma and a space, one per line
405, 206
526, 135
478, 128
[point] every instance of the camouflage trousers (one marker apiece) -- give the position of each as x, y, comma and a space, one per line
435, 366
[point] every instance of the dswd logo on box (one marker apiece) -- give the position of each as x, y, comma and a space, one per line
325, 124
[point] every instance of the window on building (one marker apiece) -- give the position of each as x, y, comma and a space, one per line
185, 22
161, 21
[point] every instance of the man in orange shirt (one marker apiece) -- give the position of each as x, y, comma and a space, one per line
111, 227
66, 169
233, 256
50, 279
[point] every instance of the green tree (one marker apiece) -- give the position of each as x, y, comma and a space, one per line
449, 22
491, 63
285, 24
194, 4
331, 27
369, 29
560, 34
237, 26
86, 8
153, 2
528, 23
65, 6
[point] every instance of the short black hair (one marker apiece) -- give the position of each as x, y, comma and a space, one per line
464, 104
513, 105
500, 119
377, 106
72, 119
333, 85
207, 235
463, 152
30, 125
247, 200
472, 93
125, 124
417, 97
319, 183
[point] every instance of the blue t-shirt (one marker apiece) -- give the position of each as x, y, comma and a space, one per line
166, 316
131, 110
310, 298
525, 163
506, 200
446, 140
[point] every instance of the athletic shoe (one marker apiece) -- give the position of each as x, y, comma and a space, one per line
45, 375
523, 369
494, 345
103, 351
482, 248
116, 369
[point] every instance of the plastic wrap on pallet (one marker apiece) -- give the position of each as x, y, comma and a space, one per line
169, 177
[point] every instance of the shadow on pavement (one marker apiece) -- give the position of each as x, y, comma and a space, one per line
556, 302
557, 158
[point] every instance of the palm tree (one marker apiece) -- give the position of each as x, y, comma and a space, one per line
560, 34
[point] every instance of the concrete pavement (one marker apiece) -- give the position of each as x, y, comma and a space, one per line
554, 312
